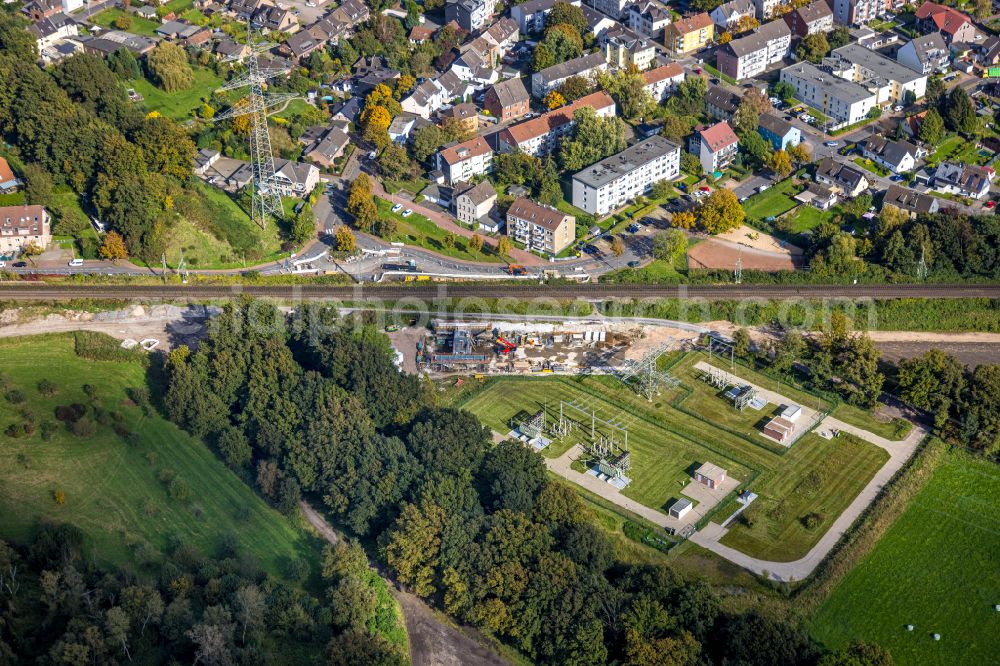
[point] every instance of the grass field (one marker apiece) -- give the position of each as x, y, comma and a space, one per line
181, 104
936, 569
140, 26
418, 230
871, 167
807, 217
112, 490
772, 202
693, 424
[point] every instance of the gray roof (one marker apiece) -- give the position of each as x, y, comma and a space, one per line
883, 67
760, 38
480, 193
680, 504
833, 86
909, 200
929, 42
573, 67
774, 124
633, 157
814, 12
534, 6
892, 152
511, 91
50, 25
839, 172
722, 98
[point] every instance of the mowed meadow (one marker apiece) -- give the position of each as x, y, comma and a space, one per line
131, 480
937, 568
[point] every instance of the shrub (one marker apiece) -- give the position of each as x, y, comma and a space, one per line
166, 475
297, 569
59, 497
83, 428
47, 388
101, 347
15, 396
14, 430
811, 520
179, 490
48, 429
70, 413
140, 396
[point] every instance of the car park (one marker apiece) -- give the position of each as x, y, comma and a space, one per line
408, 212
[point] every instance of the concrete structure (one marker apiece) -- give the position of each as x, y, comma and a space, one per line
726, 16
623, 47
680, 508
780, 134
530, 15
648, 17
710, 475
540, 228
837, 98
474, 203
926, 54
779, 429
749, 56
462, 161
609, 184
21, 226
507, 100
953, 25
889, 80
857, 12
897, 156
715, 146
662, 80
538, 136
810, 20
690, 34
849, 180
550, 78
962, 179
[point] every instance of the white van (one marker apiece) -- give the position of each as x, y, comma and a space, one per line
76, 263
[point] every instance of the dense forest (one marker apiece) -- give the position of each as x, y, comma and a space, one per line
315, 406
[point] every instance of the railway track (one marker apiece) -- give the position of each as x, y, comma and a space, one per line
30, 291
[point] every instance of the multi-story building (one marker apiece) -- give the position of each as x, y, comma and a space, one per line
550, 78
810, 20
661, 80
842, 100
721, 103
648, 17
609, 184
475, 202
295, 179
624, 48
465, 115
777, 132
613, 8
857, 12
727, 16
751, 55
21, 226
764, 9
530, 15
953, 25
715, 146
464, 160
538, 136
540, 228
690, 34
890, 80
507, 100
471, 15
926, 54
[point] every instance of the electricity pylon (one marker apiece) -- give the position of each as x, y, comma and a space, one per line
266, 199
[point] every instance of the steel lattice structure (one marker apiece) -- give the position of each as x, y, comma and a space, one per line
266, 199
645, 376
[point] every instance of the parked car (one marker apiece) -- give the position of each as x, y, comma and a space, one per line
705, 188
991, 204
633, 264
407, 212
897, 178
3, 264
372, 155
20, 264
75, 263
830, 144
397, 208
897, 108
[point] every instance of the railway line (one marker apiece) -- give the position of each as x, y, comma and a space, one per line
40, 291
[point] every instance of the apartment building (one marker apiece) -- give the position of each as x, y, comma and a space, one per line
540, 228
550, 78
624, 47
471, 15
890, 80
462, 161
648, 17
953, 25
690, 34
840, 99
780, 134
507, 100
727, 15
613, 8
475, 202
295, 179
609, 184
661, 80
857, 12
721, 103
810, 20
530, 15
21, 226
764, 9
715, 146
926, 54
538, 136
751, 55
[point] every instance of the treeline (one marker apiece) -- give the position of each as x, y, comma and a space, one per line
315, 405
58, 607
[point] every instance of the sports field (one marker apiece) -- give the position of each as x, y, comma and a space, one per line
692, 424
117, 492
937, 568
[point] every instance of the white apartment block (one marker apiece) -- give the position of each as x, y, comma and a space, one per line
751, 55
613, 8
765, 8
464, 160
550, 78
889, 79
857, 12
531, 15
649, 18
834, 96
609, 184
538, 137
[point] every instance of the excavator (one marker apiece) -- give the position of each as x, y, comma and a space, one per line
504, 346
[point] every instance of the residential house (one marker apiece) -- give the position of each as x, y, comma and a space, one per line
401, 127
538, 136
540, 228
295, 179
624, 48
889, 80
271, 18
175, 30
425, 98
550, 78
812, 19
926, 54
857, 12
53, 29
764, 9
840, 99
780, 134
464, 160
897, 156
204, 159
749, 56
244, 10
471, 15
850, 180
727, 15
911, 201
501, 36
147, 12
648, 18
229, 49
8, 181
21, 226
953, 25
301, 44
370, 72
328, 147
662, 80
596, 21
530, 15
715, 146
818, 196
963, 179
689, 34
989, 52
721, 103
610, 183
420, 34
613, 8
473, 203
36, 10
455, 87
112, 40
465, 114
507, 100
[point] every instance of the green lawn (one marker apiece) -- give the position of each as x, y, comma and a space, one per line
945, 149
140, 26
181, 104
773, 201
936, 568
807, 217
895, 429
871, 167
112, 490
420, 231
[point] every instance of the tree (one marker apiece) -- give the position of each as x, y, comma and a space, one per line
566, 14
235, 447
393, 162
747, 23
344, 239
781, 163
874, 112
671, 245
746, 119
683, 220
756, 149
721, 212
933, 382
725, 38
413, 543
840, 36
783, 90
554, 100
376, 121
617, 246
123, 22
800, 153
504, 246
303, 226
426, 141
961, 114
983, 9
404, 84
575, 87
689, 98
562, 42
675, 128
593, 138
691, 164
168, 64
476, 244
813, 48
113, 248
250, 605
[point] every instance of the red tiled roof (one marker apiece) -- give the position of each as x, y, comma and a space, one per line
5, 172
719, 136
465, 150
553, 119
692, 23
945, 18
668, 71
